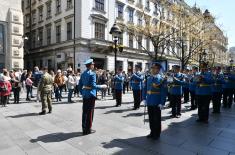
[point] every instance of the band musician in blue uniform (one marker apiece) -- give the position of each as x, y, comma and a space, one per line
137, 86
154, 96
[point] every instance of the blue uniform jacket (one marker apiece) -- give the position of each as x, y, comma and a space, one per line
87, 84
119, 80
176, 86
155, 90
229, 81
137, 81
186, 84
218, 83
192, 83
204, 87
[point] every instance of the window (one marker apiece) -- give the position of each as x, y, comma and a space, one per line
131, 13
131, 40
49, 10
40, 37
99, 4
69, 31
99, 31
58, 6
2, 39
120, 39
148, 44
69, 4
140, 20
27, 3
48, 35
34, 17
58, 34
33, 39
120, 10
27, 19
139, 41
16, 53
40, 14
147, 4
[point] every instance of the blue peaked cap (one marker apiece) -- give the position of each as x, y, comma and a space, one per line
156, 64
89, 61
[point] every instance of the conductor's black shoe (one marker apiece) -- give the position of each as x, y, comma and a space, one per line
50, 111
42, 113
91, 131
134, 109
149, 136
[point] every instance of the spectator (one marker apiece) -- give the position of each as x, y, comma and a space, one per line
58, 84
5, 90
29, 85
71, 85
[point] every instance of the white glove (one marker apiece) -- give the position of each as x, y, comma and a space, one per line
104, 86
160, 106
144, 102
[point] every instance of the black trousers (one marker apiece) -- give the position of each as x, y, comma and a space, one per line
203, 107
216, 100
118, 94
154, 114
4, 100
16, 95
175, 102
124, 88
193, 100
228, 97
87, 114
137, 98
186, 94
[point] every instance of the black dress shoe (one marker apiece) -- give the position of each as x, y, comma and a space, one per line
149, 136
134, 109
155, 137
173, 116
42, 113
50, 111
199, 120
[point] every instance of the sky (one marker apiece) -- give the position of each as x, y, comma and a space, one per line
224, 12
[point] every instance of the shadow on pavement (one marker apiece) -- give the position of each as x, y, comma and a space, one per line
24, 115
104, 107
134, 114
56, 137
118, 111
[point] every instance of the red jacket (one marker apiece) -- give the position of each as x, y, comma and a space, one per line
8, 85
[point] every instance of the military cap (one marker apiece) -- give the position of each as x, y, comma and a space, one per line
154, 64
89, 61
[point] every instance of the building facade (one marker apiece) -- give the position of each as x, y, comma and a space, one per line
51, 26
11, 35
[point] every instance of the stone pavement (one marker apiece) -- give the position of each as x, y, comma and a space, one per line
119, 130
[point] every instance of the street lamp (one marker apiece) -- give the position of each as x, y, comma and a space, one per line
231, 62
115, 32
204, 54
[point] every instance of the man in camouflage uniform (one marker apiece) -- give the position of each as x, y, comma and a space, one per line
45, 89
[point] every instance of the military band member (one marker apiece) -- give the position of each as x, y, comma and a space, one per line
118, 85
137, 86
217, 90
154, 96
228, 87
45, 89
203, 92
186, 86
88, 87
176, 92
192, 87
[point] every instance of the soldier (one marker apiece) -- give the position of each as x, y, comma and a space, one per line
217, 90
192, 87
228, 86
176, 92
154, 96
45, 90
186, 86
137, 85
203, 92
88, 87
118, 84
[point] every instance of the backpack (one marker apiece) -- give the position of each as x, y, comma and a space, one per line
3, 88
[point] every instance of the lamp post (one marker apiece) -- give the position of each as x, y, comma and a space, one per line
231, 62
115, 32
204, 54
